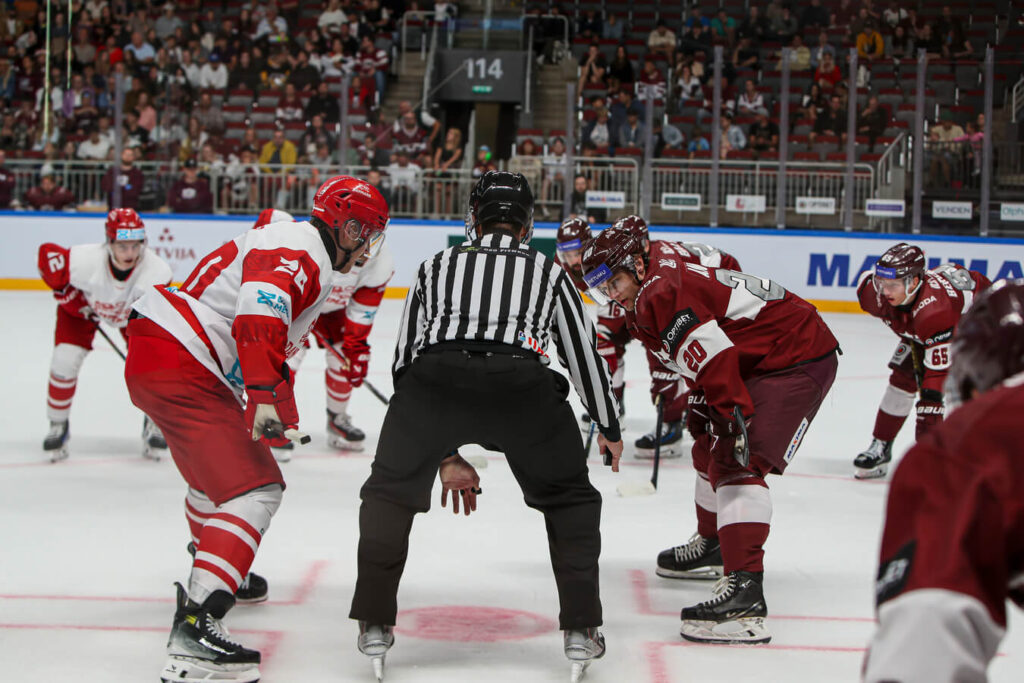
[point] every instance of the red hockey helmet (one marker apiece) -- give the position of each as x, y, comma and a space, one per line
572, 236
125, 225
611, 251
988, 345
900, 262
268, 216
635, 224
354, 207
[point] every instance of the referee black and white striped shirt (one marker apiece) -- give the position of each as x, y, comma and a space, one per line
494, 289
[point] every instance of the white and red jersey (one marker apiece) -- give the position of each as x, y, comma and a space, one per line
87, 268
953, 545
356, 290
946, 292
718, 327
249, 304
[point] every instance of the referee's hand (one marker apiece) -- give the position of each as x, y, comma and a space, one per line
613, 447
461, 478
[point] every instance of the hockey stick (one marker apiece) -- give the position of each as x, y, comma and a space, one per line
647, 488
590, 438
344, 362
110, 341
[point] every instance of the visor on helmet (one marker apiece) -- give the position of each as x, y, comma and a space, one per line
597, 284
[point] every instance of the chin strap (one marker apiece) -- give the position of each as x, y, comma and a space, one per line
911, 293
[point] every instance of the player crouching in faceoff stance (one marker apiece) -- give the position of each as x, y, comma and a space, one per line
760, 361
922, 308
246, 307
953, 543
94, 283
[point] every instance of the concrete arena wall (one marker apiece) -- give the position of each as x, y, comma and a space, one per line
820, 266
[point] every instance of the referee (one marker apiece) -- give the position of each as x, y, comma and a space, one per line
471, 367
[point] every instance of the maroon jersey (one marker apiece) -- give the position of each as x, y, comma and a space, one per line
718, 327
928, 322
953, 545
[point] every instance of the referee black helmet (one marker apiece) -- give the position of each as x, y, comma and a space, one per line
500, 197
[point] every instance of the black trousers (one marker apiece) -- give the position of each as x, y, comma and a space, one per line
451, 397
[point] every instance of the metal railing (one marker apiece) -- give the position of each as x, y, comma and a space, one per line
420, 30
1017, 101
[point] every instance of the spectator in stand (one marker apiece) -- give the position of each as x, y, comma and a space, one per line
723, 28
613, 29
7, 181
128, 177
554, 166
373, 63
751, 102
696, 19
696, 42
86, 114
360, 94
168, 23
899, 45
689, 87
411, 137
832, 121
827, 75
211, 167
754, 26
481, 165
814, 17
332, 18
589, 26
323, 104
746, 56
527, 162
930, 42
405, 180
813, 102
621, 67
950, 31
799, 55
146, 112
698, 142
190, 193
823, 48
241, 189
446, 158
763, 136
652, 85
895, 15
728, 101
578, 202
316, 135
621, 107
94, 148
321, 167
289, 106
631, 134
279, 153
370, 153
593, 67
135, 135
213, 74
662, 40
373, 177
873, 120
139, 49
600, 132
270, 25
73, 96
784, 26
8, 81
245, 75
275, 72
870, 46
666, 136
732, 136
209, 117
48, 196
304, 76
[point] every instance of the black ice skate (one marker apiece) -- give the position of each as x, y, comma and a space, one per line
56, 442
254, 587
735, 615
874, 462
341, 435
582, 646
201, 649
374, 641
671, 442
154, 445
699, 558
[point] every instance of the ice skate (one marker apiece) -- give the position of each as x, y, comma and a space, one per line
154, 445
254, 588
56, 442
374, 641
341, 435
671, 442
283, 453
735, 615
582, 646
699, 558
874, 462
201, 649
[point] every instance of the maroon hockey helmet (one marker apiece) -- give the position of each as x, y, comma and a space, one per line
573, 235
900, 262
125, 225
988, 345
611, 251
635, 224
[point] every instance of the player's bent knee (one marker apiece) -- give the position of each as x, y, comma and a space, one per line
67, 360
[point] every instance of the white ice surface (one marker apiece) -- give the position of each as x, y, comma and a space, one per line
89, 547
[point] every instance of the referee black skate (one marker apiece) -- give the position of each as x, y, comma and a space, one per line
471, 366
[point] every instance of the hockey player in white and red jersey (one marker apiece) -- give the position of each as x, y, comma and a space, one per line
922, 307
953, 544
194, 353
94, 283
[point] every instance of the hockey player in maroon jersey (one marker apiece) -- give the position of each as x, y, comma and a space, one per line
760, 361
922, 308
246, 307
664, 382
94, 283
953, 543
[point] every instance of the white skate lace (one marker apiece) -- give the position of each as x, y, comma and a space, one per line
723, 590
220, 631
693, 549
342, 422
56, 429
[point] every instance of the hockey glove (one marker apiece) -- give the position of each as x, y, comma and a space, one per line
357, 363
72, 300
271, 413
929, 413
729, 438
696, 414
664, 384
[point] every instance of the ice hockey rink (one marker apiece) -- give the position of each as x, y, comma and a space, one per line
89, 547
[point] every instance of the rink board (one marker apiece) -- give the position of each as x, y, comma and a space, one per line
820, 266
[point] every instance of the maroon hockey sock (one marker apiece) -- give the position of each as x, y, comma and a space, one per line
888, 426
707, 522
743, 546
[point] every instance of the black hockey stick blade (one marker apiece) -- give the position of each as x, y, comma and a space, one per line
377, 392
742, 450
657, 442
